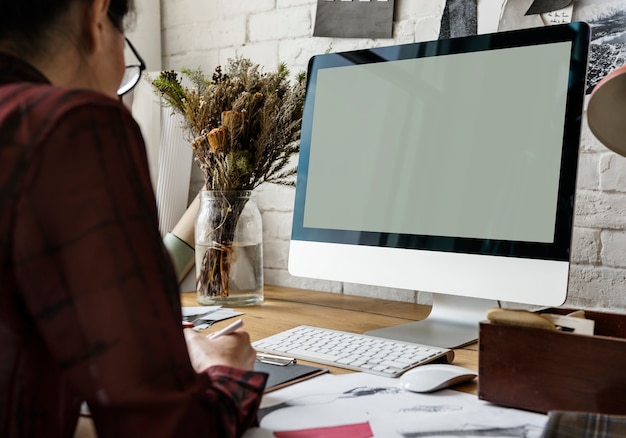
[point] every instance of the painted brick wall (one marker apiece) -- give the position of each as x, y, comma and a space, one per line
206, 33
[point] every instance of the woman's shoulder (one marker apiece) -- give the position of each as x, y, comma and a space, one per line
48, 107
52, 100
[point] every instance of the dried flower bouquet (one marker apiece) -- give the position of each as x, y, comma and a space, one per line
244, 127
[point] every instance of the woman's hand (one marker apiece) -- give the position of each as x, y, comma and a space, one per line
233, 350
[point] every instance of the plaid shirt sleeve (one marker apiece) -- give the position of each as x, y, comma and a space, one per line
565, 424
97, 282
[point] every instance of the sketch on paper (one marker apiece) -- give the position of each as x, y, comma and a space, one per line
459, 19
546, 6
337, 400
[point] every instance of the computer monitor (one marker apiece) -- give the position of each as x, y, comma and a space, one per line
447, 167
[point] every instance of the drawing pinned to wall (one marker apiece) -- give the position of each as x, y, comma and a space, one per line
544, 6
607, 19
558, 15
561, 16
520, 14
354, 18
460, 18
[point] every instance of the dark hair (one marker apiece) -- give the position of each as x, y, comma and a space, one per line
26, 22
119, 10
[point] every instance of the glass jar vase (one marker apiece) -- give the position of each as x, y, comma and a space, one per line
229, 249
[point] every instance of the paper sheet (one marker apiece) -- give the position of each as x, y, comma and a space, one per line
198, 310
205, 316
334, 401
514, 16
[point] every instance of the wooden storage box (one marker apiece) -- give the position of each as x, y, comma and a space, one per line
541, 370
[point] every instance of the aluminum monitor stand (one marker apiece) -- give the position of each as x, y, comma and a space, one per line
452, 323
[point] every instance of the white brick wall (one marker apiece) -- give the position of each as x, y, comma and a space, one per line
206, 33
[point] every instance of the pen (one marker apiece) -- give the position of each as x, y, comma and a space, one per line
227, 330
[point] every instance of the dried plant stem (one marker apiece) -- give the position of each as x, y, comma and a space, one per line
214, 275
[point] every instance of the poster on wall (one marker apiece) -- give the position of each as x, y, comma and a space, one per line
460, 18
354, 18
607, 19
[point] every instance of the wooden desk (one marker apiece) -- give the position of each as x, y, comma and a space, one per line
284, 308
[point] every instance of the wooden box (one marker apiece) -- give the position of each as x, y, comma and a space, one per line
541, 370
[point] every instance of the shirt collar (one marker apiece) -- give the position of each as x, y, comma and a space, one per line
14, 69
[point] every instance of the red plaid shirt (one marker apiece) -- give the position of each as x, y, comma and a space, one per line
89, 305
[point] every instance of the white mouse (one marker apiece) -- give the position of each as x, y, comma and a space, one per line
433, 377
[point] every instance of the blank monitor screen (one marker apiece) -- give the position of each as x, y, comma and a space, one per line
450, 160
464, 146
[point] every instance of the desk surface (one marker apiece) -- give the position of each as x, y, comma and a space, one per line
284, 308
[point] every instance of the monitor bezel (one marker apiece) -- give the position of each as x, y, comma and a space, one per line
560, 248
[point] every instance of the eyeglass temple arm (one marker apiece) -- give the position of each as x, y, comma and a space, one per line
142, 64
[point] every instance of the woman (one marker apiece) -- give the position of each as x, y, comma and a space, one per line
89, 308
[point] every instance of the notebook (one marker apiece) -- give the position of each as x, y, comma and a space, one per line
284, 375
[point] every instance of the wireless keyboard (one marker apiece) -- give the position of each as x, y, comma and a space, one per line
370, 354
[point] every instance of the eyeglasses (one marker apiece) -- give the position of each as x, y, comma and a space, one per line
132, 73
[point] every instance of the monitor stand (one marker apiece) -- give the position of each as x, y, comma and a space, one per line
452, 323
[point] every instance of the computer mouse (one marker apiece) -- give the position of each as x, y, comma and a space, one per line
433, 377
